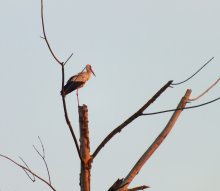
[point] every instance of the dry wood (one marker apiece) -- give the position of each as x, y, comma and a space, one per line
116, 185
206, 91
84, 149
137, 167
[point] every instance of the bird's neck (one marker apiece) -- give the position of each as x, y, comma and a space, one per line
89, 74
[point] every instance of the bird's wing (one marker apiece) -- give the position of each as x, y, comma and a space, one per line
75, 82
71, 86
72, 79
80, 77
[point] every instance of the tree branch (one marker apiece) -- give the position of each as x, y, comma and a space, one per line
116, 185
28, 170
206, 91
190, 107
63, 79
137, 167
67, 117
43, 156
32, 179
174, 84
67, 59
131, 118
45, 36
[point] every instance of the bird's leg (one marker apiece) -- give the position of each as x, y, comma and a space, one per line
77, 96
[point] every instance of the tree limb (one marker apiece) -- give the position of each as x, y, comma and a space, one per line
45, 36
28, 170
43, 156
206, 91
67, 117
174, 84
32, 179
137, 167
116, 185
63, 79
131, 118
190, 107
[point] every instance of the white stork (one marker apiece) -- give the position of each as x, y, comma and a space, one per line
77, 81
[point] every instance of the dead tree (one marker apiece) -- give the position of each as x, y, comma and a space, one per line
83, 146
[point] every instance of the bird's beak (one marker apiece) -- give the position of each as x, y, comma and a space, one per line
93, 72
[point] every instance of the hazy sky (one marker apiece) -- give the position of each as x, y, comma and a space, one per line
135, 47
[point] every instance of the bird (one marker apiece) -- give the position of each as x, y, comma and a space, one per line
77, 81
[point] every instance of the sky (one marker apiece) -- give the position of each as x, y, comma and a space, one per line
134, 47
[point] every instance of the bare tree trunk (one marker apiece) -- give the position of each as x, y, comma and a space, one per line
84, 149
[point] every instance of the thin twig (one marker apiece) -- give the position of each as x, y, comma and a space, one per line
67, 59
43, 158
189, 107
130, 119
206, 91
42, 146
45, 36
174, 84
32, 179
30, 171
148, 153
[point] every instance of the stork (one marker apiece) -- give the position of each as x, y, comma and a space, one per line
77, 81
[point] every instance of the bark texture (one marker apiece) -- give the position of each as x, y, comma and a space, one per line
84, 149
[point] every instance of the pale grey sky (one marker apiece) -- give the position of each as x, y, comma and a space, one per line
135, 47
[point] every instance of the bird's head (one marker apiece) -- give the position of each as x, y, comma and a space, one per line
89, 69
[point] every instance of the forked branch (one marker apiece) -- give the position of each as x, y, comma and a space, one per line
174, 84
31, 178
30, 171
192, 99
137, 167
43, 157
63, 79
131, 118
67, 117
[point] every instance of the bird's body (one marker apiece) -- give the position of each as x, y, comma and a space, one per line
77, 81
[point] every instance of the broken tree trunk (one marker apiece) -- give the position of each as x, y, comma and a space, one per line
84, 149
